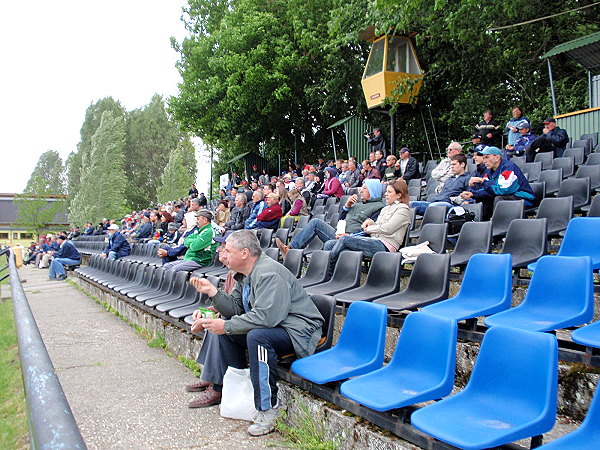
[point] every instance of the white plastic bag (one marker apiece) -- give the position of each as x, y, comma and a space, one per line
237, 401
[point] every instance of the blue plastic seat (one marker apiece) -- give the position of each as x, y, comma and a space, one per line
588, 335
587, 436
561, 295
582, 238
421, 369
359, 349
511, 395
496, 270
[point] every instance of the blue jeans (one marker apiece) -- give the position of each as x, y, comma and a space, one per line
369, 246
420, 207
315, 227
57, 266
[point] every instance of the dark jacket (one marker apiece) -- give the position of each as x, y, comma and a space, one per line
237, 218
67, 250
492, 127
118, 244
411, 171
144, 231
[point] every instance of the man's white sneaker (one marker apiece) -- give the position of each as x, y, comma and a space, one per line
264, 421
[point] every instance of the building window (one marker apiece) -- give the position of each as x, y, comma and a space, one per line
3, 235
15, 235
26, 235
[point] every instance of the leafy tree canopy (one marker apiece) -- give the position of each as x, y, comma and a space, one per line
46, 177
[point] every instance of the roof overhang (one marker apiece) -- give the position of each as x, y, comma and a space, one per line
584, 50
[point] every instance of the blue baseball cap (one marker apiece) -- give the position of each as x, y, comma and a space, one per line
491, 151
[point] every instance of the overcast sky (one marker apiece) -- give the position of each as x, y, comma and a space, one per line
60, 56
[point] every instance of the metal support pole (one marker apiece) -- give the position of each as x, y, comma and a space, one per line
333, 140
211, 171
590, 92
552, 88
279, 163
392, 133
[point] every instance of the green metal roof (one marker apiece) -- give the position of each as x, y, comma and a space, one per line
584, 50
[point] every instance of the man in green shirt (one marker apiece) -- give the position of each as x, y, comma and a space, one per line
200, 245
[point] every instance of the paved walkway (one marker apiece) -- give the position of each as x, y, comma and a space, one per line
123, 393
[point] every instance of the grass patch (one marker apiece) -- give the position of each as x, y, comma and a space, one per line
308, 434
13, 420
190, 364
158, 342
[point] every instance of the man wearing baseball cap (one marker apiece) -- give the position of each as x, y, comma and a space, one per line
526, 137
200, 245
554, 139
502, 179
117, 246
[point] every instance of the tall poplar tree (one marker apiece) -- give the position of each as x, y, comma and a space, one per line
179, 173
103, 181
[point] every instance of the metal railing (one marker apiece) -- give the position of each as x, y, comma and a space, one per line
51, 421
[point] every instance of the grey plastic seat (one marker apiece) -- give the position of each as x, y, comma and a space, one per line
578, 154
476, 208
593, 159
346, 275
333, 219
302, 221
436, 234
553, 179
314, 244
135, 281
202, 302
146, 282
566, 163
318, 210
190, 296
593, 173
165, 287
317, 270
266, 236
474, 237
533, 170
526, 241
383, 278
505, 211
272, 252
157, 277
433, 214
177, 292
586, 144
519, 161
579, 188
428, 283
592, 136
558, 211
289, 222
293, 261
282, 234
594, 209
545, 158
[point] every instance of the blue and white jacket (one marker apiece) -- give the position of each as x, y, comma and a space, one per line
507, 179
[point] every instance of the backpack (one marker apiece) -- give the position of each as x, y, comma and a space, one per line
457, 217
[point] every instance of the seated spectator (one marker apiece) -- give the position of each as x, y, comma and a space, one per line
511, 127
554, 140
74, 233
353, 179
503, 180
408, 166
67, 255
170, 252
526, 137
165, 220
332, 186
258, 204
200, 245
178, 213
239, 214
53, 247
354, 213
453, 187
193, 192
479, 164
271, 214
117, 246
391, 173
344, 174
284, 200
173, 234
368, 172
379, 162
38, 251
301, 187
299, 207
443, 170
269, 315
222, 213
202, 200
477, 145
145, 229
88, 230
384, 235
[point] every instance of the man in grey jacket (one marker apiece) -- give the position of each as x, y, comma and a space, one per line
268, 313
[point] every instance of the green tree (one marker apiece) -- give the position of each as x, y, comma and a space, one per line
47, 176
38, 207
76, 160
179, 173
103, 181
151, 136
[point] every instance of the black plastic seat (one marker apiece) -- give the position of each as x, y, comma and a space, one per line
134, 279
428, 283
281, 234
177, 292
553, 179
578, 154
164, 288
313, 245
140, 280
579, 188
288, 222
157, 278
593, 173
566, 163
145, 284
436, 234
558, 212
318, 269
202, 302
293, 261
383, 278
476, 208
526, 241
189, 297
505, 211
433, 214
326, 306
594, 208
474, 237
272, 252
346, 275
545, 158
127, 275
533, 170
